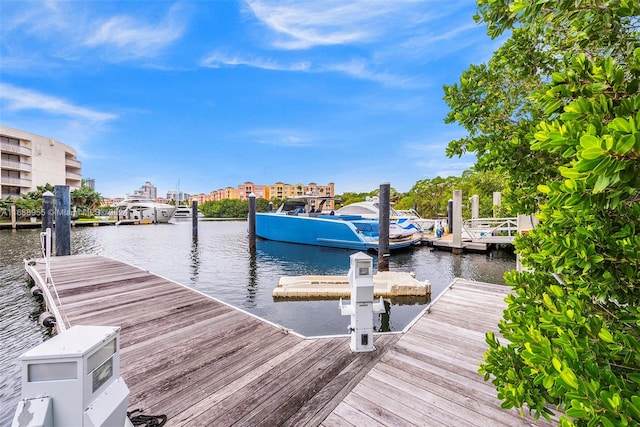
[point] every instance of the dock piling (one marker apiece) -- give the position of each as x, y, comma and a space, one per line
497, 201
63, 220
14, 222
383, 238
457, 223
475, 207
194, 220
252, 222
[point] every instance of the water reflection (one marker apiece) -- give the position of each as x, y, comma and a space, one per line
293, 259
385, 318
195, 262
252, 286
456, 265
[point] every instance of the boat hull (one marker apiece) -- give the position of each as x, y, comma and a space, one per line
324, 230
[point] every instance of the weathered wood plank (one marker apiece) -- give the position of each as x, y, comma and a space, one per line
340, 417
320, 406
412, 404
460, 401
298, 376
379, 407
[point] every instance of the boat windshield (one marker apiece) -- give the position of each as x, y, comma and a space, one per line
293, 206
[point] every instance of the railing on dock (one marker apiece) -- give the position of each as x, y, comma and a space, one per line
490, 230
48, 288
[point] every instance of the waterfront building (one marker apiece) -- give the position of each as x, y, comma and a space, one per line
200, 198
28, 161
280, 190
89, 183
147, 191
224, 193
261, 191
109, 201
177, 195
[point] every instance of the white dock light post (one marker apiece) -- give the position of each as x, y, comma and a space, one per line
73, 379
362, 306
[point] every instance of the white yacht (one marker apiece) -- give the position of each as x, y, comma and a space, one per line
370, 209
184, 214
144, 210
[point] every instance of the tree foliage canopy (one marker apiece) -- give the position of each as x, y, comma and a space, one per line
557, 110
86, 199
431, 196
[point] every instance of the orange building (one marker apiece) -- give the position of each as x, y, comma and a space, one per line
279, 190
200, 198
224, 193
261, 191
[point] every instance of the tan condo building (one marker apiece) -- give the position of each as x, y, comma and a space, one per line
28, 161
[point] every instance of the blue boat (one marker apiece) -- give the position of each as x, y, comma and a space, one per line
302, 220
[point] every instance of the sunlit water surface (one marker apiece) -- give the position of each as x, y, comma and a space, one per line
219, 265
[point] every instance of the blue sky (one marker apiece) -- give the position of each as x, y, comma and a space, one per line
202, 95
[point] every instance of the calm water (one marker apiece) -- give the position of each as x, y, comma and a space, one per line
219, 265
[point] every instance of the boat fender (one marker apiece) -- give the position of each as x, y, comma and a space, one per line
47, 320
36, 291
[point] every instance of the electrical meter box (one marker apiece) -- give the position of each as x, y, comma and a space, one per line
362, 306
361, 278
79, 372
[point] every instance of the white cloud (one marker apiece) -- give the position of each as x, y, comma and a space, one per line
24, 99
125, 37
357, 68
50, 31
219, 60
361, 69
302, 25
281, 137
442, 43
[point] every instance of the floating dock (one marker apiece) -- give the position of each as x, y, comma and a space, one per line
446, 243
202, 362
386, 284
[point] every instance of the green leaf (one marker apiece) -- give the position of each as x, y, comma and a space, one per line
556, 290
569, 378
601, 184
544, 189
592, 153
625, 144
605, 335
621, 124
570, 173
541, 136
576, 413
589, 141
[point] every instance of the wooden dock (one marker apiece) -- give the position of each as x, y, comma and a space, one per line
202, 362
446, 243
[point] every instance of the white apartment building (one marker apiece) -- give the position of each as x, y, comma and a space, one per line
28, 161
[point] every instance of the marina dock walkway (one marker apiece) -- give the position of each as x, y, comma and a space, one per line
204, 363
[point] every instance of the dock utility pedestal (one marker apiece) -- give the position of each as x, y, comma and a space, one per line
362, 306
73, 379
